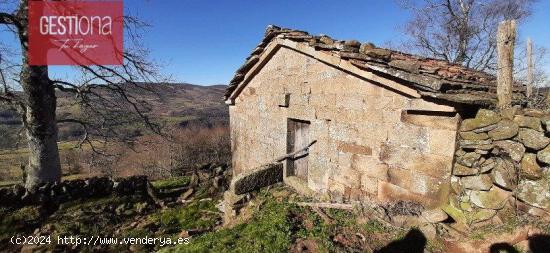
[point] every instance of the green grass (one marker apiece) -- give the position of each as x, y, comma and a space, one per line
11, 160
17, 220
171, 183
16, 153
196, 215
314, 228
94, 203
269, 231
374, 226
277, 224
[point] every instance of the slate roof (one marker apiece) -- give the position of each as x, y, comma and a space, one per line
432, 78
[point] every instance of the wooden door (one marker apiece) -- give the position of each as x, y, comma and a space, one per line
298, 138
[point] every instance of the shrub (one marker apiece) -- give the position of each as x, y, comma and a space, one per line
196, 148
181, 151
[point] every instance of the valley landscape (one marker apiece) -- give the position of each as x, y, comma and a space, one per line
184, 109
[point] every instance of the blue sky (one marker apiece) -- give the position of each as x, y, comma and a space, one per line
204, 42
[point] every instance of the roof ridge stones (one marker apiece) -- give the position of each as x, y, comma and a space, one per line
430, 77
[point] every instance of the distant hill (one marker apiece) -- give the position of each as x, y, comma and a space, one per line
179, 104
187, 104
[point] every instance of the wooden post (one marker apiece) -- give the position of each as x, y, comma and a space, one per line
530, 78
506, 39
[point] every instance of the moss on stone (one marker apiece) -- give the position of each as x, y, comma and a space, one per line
529, 122
530, 169
456, 213
483, 118
492, 199
473, 136
505, 129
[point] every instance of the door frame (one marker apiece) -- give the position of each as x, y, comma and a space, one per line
290, 146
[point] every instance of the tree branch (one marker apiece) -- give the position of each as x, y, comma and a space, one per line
86, 138
461, 31
449, 7
62, 86
7, 19
81, 123
6, 99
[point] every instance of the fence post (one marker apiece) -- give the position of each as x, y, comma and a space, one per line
530, 78
506, 38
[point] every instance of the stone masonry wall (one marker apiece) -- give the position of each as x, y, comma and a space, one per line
60, 192
501, 157
372, 142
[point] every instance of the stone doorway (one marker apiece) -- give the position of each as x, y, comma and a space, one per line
298, 138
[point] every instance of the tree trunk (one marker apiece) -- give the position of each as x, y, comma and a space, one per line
39, 114
41, 126
530, 67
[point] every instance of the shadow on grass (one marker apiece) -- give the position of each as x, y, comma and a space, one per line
502, 248
537, 244
413, 242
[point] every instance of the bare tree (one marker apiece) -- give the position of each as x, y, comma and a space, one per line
461, 31
538, 60
105, 95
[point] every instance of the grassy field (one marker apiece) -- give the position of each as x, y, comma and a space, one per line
271, 223
12, 159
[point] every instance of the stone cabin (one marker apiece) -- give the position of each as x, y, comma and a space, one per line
383, 123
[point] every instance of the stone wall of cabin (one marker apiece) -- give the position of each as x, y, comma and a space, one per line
372, 142
501, 157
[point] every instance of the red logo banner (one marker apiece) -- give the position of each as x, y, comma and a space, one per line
76, 33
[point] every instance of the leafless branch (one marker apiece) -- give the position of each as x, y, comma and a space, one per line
460, 31
7, 19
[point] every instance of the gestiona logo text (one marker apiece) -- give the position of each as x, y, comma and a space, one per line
76, 33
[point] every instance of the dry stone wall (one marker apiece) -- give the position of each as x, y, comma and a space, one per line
501, 157
59, 192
